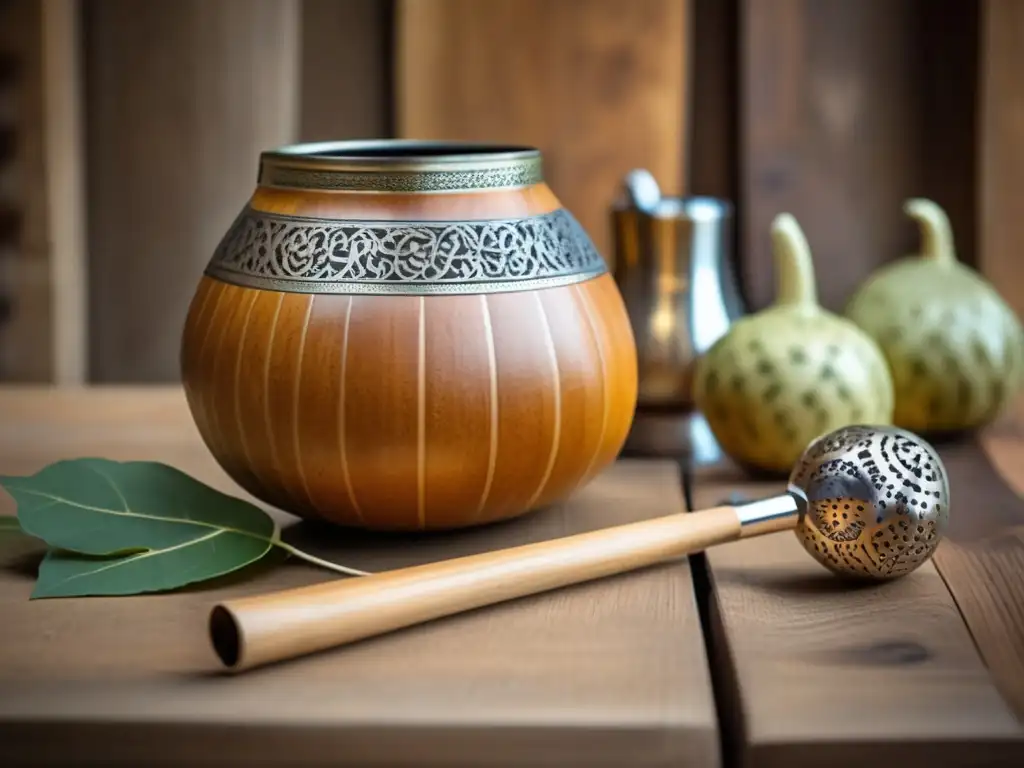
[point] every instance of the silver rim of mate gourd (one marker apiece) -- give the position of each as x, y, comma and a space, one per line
313, 255
401, 165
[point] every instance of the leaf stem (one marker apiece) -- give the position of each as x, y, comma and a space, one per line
317, 561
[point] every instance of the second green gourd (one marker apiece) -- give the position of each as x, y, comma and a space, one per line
954, 347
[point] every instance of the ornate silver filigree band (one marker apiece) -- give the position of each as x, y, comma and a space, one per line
303, 255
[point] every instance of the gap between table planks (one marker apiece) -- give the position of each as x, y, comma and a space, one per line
809, 673
608, 673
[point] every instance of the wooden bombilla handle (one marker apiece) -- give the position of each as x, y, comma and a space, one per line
253, 631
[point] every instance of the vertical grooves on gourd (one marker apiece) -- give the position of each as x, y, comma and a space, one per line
196, 319
343, 452
421, 415
193, 352
550, 343
584, 301
207, 393
275, 460
618, 341
492, 379
217, 432
239, 422
297, 401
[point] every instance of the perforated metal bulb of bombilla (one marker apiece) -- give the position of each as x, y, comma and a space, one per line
868, 502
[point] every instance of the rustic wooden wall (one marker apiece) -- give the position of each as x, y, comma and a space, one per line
713, 138
182, 97
345, 89
600, 86
27, 330
846, 109
835, 110
1001, 190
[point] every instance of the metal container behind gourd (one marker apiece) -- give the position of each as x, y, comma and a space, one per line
672, 266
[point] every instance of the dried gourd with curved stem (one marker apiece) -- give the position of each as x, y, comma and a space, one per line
791, 372
954, 347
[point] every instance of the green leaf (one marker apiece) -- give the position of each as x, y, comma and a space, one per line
124, 528
101, 507
69, 574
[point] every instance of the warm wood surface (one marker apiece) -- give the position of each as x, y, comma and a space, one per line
499, 403
712, 143
598, 85
182, 97
982, 561
846, 109
886, 672
345, 91
65, 169
1001, 154
26, 274
604, 674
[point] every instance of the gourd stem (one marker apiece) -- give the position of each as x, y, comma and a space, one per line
793, 266
936, 234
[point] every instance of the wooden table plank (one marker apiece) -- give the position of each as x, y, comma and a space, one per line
813, 672
605, 674
982, 559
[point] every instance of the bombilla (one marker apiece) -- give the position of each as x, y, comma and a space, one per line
866, 502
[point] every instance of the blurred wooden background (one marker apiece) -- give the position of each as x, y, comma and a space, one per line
129, 133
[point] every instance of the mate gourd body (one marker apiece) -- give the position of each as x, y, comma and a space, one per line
791, 372
398, 336
954, 347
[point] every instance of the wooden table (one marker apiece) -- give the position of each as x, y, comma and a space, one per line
925, 670
603, 674
747, 655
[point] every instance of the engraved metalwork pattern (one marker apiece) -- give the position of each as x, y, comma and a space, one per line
401, 165
877, 501
328, 256
521, 174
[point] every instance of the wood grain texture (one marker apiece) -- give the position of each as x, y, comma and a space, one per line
1001, 152
26, 269
65, 169
982, 559
610, 673
344, 70
411, 412
713, 142
815, 671
182, 97
847, 109
599, 86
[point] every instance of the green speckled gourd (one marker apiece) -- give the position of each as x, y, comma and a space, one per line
954, 347
786, 374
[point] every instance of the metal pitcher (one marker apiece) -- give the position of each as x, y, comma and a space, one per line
673, 268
